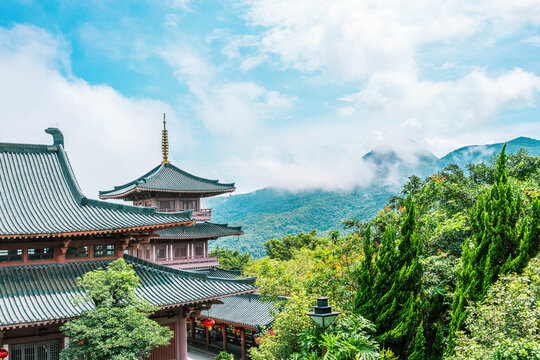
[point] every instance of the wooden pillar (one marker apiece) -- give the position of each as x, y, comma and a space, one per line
192, 324
181, 336
224, 332
243, 337
207, 333
62, 250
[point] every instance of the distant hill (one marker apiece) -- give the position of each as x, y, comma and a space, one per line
272, 213
483, 153
394, 166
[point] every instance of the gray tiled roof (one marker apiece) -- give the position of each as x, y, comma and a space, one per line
201, 230
219, 272
41, 293
168, 178
39, 196
252, 310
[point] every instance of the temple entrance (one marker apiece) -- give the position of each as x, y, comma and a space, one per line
45, 350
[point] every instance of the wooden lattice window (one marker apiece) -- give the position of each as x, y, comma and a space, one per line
11, 255
103, 250
77, 252
44, 350
41, 254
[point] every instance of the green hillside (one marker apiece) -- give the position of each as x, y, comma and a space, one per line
272, 213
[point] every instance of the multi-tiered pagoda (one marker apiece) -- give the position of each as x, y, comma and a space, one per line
51, 234
170, 189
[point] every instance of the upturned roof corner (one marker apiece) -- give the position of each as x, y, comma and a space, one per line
58, 137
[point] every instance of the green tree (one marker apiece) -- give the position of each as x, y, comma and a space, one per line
419, 352
118, 327
348, 339
437, 349
506, 324
231, 259
522, 165
284, 249
396, 286
289, 325
386, 271
364, 301
498, 245
530, 240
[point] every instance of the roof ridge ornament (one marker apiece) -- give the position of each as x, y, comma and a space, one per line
58, 137
165, 142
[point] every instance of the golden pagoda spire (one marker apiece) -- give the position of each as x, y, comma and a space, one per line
165, 142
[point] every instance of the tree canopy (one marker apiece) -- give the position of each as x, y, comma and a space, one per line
118, 327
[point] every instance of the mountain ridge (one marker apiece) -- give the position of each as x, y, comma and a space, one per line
272, 213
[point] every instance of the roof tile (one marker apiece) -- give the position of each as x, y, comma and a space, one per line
41, 293
168, 178
39, 196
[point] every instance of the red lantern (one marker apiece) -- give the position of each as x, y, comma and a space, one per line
209, 323
237, 331
3, 353
219, 326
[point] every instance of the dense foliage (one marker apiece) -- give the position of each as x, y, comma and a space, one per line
231, 259
499, 242
284, 248
420, 269
297, 337
390, 291
506, 325
118, 327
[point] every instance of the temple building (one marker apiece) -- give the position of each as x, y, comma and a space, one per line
50, 234
170, 189
239, 319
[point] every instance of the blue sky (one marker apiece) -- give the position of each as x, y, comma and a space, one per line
266, 92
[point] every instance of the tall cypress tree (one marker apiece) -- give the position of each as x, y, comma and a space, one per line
396, 286
419, 352
530, 241
499, 244
383, 284
437, 349
364, 301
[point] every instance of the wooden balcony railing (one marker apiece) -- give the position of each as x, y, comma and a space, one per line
186, 260
201, 214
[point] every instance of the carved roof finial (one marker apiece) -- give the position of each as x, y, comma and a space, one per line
165, 142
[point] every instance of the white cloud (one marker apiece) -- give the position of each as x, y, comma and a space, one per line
226, 107
448, 65
533, 40
180, 4
297, 160
411, 122
442, 110
171, 20
451, 105
110, 138
353, 39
